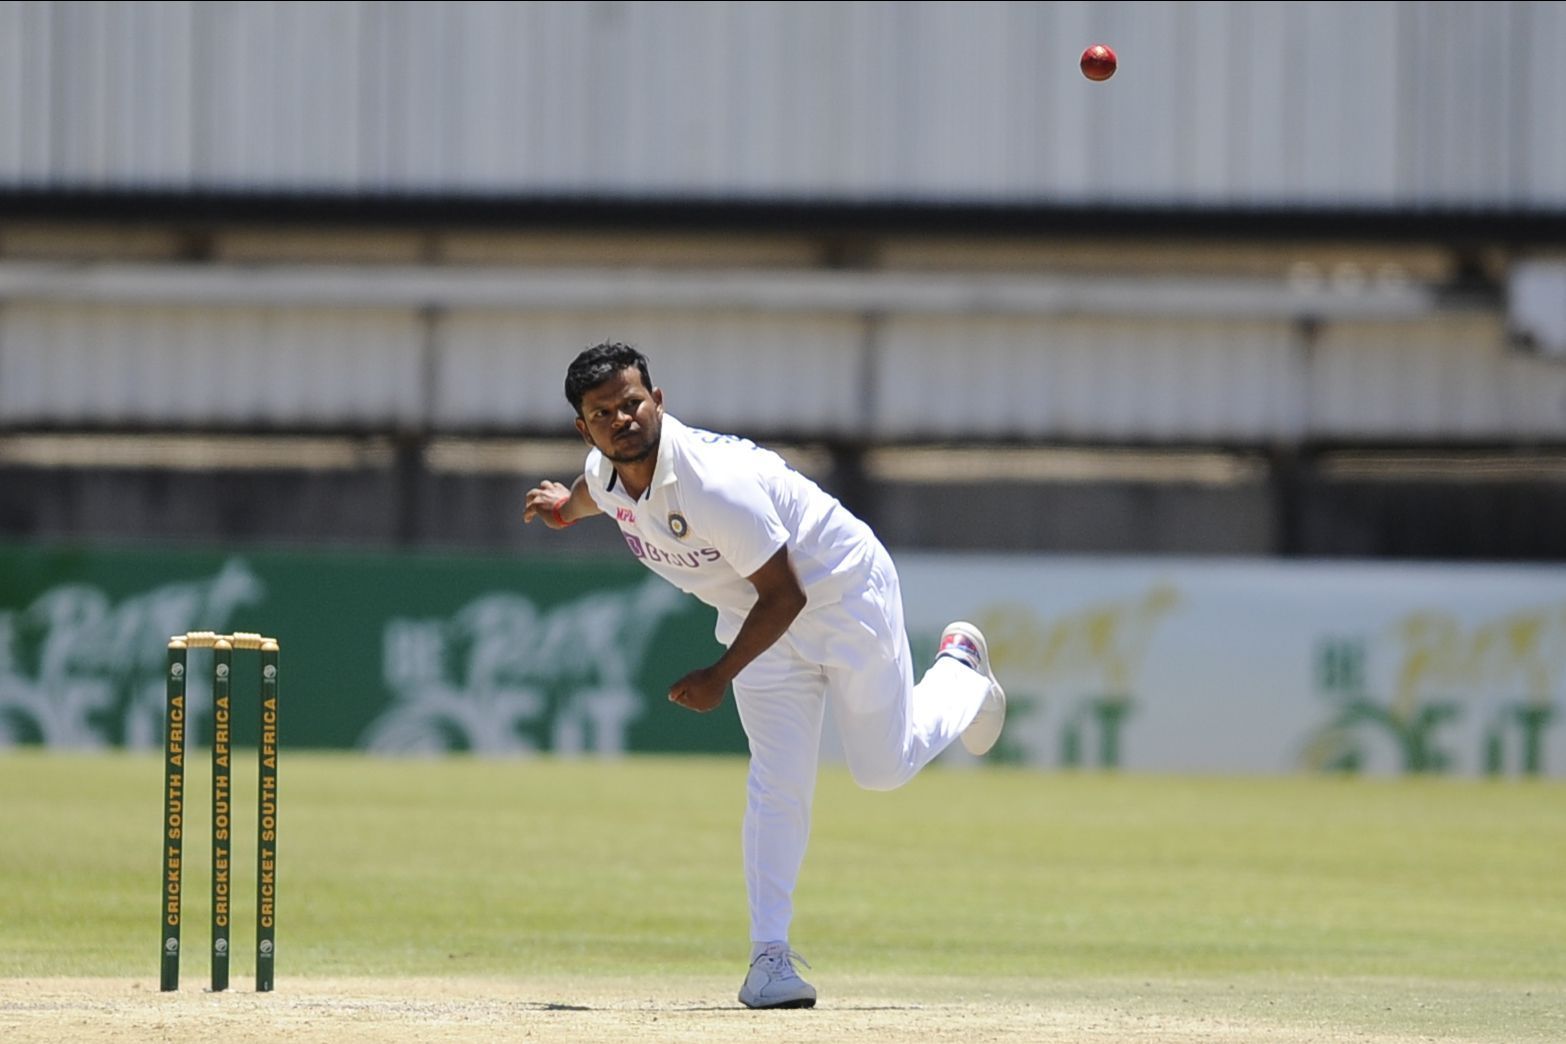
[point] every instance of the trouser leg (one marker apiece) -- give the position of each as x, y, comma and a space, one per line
780, 700
890, 727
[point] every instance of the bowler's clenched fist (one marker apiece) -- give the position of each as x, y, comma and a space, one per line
700, 691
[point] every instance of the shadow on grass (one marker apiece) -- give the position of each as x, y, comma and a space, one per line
735, 1008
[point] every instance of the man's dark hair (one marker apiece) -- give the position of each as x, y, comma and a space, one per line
597, 364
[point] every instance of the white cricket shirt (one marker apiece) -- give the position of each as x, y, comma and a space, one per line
718, 508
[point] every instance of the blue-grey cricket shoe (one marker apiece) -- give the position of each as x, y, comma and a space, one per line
773, 982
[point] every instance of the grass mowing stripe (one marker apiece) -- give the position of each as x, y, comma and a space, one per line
1309, 896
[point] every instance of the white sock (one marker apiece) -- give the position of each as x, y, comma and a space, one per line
758, 948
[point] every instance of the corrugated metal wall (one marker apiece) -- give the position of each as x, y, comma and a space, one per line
778, 373
93, 365
1052, 377
1405, 104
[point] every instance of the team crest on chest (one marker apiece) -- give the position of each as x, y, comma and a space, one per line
677, 525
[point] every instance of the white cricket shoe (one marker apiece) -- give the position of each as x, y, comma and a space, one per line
964, 643
773, 981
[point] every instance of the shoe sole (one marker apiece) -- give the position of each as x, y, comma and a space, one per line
801, 1002
981, 744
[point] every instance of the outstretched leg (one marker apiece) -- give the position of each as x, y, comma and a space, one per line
891, 728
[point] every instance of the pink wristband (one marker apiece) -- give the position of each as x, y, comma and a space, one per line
559, 519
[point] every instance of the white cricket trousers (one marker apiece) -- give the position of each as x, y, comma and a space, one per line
854, 656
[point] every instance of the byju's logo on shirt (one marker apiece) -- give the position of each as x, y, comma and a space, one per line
651, 553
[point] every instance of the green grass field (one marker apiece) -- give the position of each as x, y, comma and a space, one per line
1431, 908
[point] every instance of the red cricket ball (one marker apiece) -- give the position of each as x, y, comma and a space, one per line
1098, 62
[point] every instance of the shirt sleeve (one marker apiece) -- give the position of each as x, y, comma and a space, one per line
742, 522
595, 487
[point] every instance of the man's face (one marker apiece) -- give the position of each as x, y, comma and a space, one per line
623, 418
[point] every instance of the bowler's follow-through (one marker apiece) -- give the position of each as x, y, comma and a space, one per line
810, 611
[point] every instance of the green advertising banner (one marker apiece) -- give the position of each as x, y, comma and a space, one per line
1161, 665
384, 653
